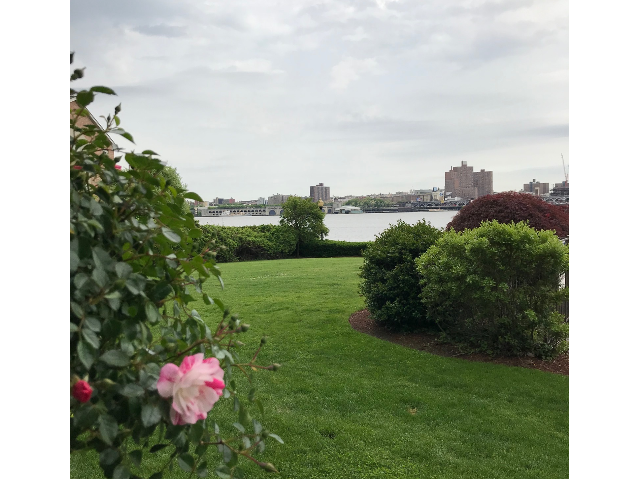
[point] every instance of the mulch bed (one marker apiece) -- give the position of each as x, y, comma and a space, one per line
362, 322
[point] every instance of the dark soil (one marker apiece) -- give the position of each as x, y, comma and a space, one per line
421, 341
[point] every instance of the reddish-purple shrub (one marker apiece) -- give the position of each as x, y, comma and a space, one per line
510, 206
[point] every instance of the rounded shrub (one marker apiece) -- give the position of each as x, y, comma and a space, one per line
496, 288
390, 283
516, 207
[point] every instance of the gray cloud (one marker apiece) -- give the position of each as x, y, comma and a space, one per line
255, 97
162, 30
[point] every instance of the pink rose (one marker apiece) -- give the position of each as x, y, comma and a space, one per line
81, 391
195, 387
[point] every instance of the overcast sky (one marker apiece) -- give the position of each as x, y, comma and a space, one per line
253, 98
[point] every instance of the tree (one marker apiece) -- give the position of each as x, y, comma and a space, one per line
513, 207
305, 218
134, 276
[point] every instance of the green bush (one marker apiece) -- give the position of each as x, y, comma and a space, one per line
333, 249
495, 288
390, 282
245, 243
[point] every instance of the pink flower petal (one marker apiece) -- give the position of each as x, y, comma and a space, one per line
195, 387
169, 375
215, 384
176, 418
189, 361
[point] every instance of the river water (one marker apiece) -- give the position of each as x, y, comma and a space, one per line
359, 227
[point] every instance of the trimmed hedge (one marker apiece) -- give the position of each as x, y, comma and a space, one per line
332, 249
246, 243
263, 242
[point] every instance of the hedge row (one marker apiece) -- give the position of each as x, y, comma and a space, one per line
332, 249
263, 242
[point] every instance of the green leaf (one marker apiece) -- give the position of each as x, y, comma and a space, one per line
115, 358
153, 315
102, 89
132, 390
100, 277
85, 416
170, 235
196, 315
257, 427
109, 456
123, 270
202, 469
74, 327
190, 195
260, 407
75, 261
277, 438
121, 472
186, 462
246, 442
228, 456
157, 475
223, 472
136, 457
157, 447
84, 98
219, 304
93, 324
196, 432
91, 338
238, 426
108, 428
77, 310
95, 208
149, 152
86, 354
127, 136
80, 280
151, 415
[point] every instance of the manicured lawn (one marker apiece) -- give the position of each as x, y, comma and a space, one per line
350, 405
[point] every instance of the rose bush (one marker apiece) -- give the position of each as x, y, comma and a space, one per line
135, 275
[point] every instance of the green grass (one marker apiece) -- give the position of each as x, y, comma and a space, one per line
350, 405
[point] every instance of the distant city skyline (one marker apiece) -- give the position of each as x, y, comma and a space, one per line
524, 187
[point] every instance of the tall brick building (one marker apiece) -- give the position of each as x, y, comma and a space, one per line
462, 181
320, 192
536, 188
